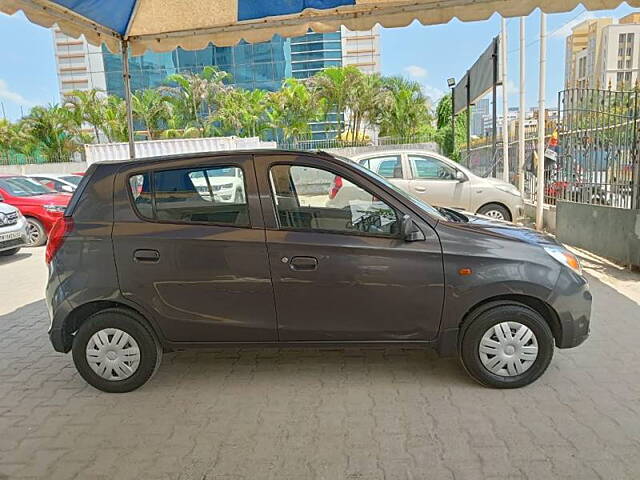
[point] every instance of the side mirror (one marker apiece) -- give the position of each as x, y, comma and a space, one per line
461, 177
67, 188
1, 198
410, 231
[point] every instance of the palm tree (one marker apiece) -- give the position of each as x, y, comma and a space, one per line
293, 108
369, 103
115, 120
7, 137
54, 132
243, 112
196, 96
152, 108
336, 86
409, 112
88, 107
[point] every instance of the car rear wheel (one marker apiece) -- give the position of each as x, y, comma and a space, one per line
36, 235
507, 346
115, 352
494, 210
8, 253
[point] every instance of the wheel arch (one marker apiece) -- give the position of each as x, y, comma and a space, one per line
539, 306
81, 313
500, 204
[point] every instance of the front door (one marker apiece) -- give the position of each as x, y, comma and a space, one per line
190, 248
342, 272
435, 182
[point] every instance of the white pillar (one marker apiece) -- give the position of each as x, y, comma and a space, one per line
541, 122
505, 103
126, 77
521, 131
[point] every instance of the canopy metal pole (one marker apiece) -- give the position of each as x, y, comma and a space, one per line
494, 109
521, 131
505, 103
541, 123
126, 77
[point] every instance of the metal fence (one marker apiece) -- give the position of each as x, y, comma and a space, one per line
9, 157
336, 143
598, 149
596, 161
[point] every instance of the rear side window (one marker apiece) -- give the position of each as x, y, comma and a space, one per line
213, 195
388, 166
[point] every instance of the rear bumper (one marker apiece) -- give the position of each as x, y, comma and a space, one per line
571, 301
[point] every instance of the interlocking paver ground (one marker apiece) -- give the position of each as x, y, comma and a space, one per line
313, 414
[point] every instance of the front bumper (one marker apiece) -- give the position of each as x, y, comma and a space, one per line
17, 236
571, 300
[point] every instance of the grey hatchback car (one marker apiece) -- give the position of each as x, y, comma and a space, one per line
155, 255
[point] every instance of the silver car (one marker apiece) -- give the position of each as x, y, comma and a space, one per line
442, 182
13, 230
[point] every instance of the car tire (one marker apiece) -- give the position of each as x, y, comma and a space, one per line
495, 210
8, 253
36, 234
118, 364
494, 359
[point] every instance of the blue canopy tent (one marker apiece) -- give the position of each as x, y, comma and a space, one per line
134, 26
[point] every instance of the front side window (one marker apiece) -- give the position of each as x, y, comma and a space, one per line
429, 168
313, 199
387, 167
213, 195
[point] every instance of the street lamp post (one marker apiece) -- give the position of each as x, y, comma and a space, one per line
451, 82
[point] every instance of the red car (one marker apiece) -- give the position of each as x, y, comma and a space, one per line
40, 205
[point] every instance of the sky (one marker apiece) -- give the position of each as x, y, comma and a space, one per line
428, 55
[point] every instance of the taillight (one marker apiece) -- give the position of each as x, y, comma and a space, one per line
337, 185
56, 237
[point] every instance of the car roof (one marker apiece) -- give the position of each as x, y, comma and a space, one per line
196, 155
398, 151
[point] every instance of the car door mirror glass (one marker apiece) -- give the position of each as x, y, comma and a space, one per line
410, 231
461, 177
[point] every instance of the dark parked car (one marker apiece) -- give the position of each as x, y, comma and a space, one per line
144, 262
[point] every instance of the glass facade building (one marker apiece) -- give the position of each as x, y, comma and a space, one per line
252, 66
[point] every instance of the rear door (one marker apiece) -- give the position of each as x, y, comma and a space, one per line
190, 248
435, 182
390, 166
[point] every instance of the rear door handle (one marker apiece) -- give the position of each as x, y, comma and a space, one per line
303, 263
146, 256
420, 189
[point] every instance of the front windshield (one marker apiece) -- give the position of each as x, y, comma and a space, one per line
75, 179
23, 187
416, 201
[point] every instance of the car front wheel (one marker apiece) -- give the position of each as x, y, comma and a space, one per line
36, 235
495, 211
506, 346
115, 352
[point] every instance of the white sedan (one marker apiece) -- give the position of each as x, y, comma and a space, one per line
438, 181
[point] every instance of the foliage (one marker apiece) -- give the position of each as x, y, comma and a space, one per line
204, 103
444, 136
408, 110
293, 108
151, 107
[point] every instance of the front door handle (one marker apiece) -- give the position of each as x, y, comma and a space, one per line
303, 264
146, 256
420, 189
